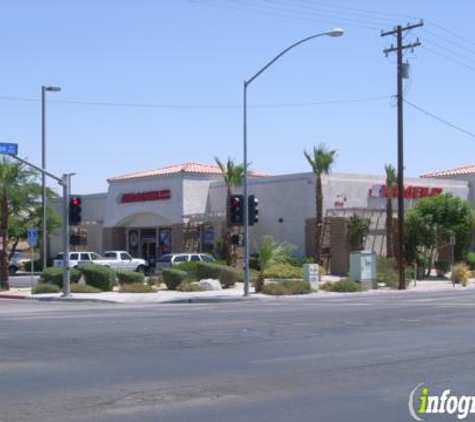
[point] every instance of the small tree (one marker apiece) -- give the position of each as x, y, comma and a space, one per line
432, 221
20, 209
321, 162
358, 230
269, 253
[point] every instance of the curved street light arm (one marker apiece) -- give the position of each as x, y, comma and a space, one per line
331, 33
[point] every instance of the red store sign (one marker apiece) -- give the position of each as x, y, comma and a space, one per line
410, 192
155, 195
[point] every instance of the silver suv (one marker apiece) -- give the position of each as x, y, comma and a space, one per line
171, 259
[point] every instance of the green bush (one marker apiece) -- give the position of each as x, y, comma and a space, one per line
284, 271
387, 271
129, 277
226, 275
135, 288
54, 275
344, 285
44, 288
188, 267
99, 276
287, 287
471, 260
173, 277
83, 288
460, 274
187, 286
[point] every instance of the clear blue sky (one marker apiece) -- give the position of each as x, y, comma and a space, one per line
192, 55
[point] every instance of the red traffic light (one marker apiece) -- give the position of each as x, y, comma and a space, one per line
76, 201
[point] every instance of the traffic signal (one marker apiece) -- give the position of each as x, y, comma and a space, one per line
236, 210
75, 211
253, 209
237, 239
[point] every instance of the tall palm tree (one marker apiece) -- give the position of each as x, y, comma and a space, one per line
391, 182
232, 175
9, 173
321, 162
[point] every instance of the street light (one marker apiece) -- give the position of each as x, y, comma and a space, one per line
44, 90
335, 32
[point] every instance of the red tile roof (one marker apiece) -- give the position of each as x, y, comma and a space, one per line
187, 168
461, 171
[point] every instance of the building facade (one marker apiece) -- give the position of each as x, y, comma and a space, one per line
182, 208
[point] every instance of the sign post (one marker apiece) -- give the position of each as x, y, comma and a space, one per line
32, 236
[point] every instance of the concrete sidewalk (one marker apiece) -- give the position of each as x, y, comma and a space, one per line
228, 295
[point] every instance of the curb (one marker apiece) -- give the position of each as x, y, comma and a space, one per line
15, 297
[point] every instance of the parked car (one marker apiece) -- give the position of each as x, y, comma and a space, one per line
169, 260
75, 258
17, 262
122, 261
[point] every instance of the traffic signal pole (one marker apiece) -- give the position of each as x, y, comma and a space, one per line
65, 182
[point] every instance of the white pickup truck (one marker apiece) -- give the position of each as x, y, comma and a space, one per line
122, 261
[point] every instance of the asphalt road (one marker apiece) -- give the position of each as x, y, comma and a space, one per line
343, 359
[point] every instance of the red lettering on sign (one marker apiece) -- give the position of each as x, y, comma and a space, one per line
156, 195
410, 192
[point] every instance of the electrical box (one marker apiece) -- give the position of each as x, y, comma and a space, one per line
363, 268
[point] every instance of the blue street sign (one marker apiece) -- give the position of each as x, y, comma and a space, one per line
11, 149
32, 235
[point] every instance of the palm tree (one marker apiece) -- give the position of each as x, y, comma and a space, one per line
232, 175
9, 173
270, 253
391, 182
321, 162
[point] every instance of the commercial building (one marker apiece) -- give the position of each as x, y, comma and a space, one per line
182, 208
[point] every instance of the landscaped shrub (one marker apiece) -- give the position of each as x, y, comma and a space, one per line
187, 286
284, 271
460, 274
471, 260
83, 288
135, 288
189, 267
44, 288
287, 287
99, 276
387, 272
344, 285
130, 277
173, 277
226, 275
54, 275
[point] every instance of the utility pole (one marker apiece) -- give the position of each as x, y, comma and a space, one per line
399, 49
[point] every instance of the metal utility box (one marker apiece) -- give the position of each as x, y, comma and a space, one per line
363, 268
310, 275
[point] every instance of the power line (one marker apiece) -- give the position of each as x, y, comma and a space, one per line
196, 106
279, 14
449, 41
448, 50
449, 58
448, 31
439, 119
